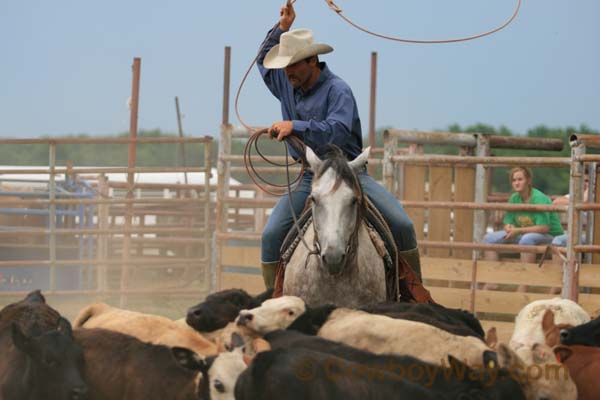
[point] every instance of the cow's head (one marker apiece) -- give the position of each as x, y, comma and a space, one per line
552, 383
220, 308
552, 331
219, 373
55, 362
587, 334
273, 314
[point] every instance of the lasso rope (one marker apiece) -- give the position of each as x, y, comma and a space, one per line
339, 12
294, 141
258, 180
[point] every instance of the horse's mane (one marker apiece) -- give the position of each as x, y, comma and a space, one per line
334, 158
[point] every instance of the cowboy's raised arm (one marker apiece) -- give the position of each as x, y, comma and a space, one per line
287, 17
274, 79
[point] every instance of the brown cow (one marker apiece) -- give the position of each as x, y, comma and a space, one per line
552, 330
146, 327
121, 367
583, 363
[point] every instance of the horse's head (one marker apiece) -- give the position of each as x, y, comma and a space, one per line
337, 199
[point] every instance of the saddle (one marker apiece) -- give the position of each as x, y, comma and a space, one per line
402, 283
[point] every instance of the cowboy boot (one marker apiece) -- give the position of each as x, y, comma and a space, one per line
412, 258
268, 272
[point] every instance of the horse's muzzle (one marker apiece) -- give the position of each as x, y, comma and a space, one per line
333, 265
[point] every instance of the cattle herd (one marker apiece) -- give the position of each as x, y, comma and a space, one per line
237, 346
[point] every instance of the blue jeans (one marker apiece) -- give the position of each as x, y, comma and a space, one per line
561, 240
526, 239
280, 221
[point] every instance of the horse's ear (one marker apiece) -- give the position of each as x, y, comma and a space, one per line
359, 162
314, 161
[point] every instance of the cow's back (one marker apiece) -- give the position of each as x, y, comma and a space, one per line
381, 334
121, 367
146, 327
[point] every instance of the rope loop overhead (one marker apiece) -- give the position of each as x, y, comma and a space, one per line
338, 11
295, 142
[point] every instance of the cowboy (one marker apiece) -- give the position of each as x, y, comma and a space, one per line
319, 108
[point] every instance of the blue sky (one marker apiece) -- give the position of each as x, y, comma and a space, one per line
66, 64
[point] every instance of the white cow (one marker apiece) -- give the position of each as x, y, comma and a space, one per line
376, 333
528, 323
218, 373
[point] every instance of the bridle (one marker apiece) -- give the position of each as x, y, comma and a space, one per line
351, 250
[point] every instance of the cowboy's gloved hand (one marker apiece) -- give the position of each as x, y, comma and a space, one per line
288, 15
281, 129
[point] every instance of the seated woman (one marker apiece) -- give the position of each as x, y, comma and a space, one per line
529, 228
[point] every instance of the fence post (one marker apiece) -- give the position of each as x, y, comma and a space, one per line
52, 215
589, 228
390, 143
481, 187
224, 175
102, 240
207, 212
571, 266
372, 108
479, 216
131, 156
223, 172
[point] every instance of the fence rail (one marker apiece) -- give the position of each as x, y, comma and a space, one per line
92, 242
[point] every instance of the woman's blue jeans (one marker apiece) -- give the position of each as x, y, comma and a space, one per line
526, 239
280, 221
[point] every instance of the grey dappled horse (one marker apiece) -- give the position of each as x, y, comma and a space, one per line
347, 271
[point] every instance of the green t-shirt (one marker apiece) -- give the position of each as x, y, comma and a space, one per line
523, 219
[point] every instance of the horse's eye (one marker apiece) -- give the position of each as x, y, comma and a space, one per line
353, 201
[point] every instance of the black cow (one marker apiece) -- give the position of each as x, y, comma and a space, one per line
46, 366
301, 367
448, 318
30, 311
587, 334
279, 374
221, 308
30, 328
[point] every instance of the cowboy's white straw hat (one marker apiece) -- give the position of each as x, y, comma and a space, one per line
294, 46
